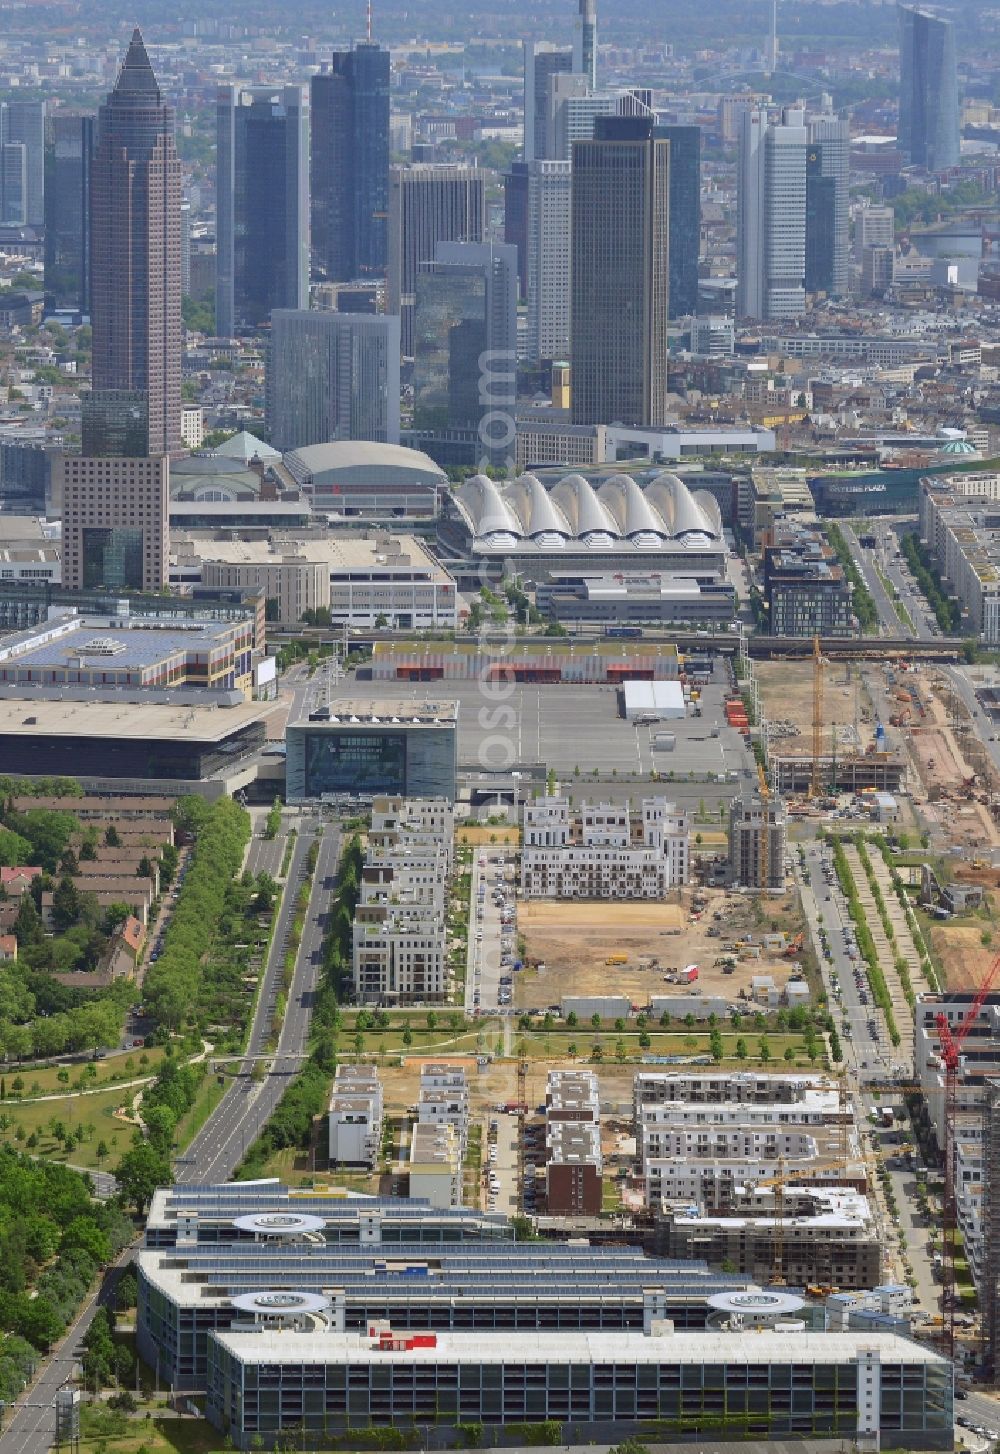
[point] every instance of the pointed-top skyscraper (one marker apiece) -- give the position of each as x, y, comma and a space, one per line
136, 261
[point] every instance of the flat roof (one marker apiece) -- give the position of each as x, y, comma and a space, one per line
575, 1347
384, 712
107, 647
134, 720
657, 696
378, 551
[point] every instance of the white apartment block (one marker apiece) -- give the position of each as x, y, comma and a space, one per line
192, 426
355, 1118
724, 1143
435, 1165
604, 851
444, 1101
400, 946
712, 1184
652, 1087
549, 194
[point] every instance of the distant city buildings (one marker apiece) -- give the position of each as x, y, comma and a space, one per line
136, 250
685, 216
548, 269
263, 205
349, 164
332, 376
22, 162
928, 89
542, 61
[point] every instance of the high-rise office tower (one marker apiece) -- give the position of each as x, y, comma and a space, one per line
928, 90
332, 376
115, 522
515, 218
428, 204
585, 41
13, 183
349, 164
135, 231
828, 164
685, 216
874, 227
262, 205
68, 153
549, 219
541, 62
23, 123
620, 273
573, 107
465, 343
771, 216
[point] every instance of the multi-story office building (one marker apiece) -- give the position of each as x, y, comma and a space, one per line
465, 343
355, 1117
685, 216
548, 243
262, 181
541, 61
349, 164
115, 522
68, 155
928, 89
22, 125
603, 851
827, 206
573, 109
13, 183
585, 41
877, 271
874, 227
135, 257
332, 376
620, 273
771, 215
515, 218
428, 204
750, 818
805, 589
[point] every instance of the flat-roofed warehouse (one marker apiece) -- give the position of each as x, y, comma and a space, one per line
93, 739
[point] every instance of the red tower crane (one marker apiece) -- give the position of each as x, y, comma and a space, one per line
951, 1042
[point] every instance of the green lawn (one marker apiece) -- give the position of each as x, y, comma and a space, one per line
94, 1112
126, 1066
160, 1436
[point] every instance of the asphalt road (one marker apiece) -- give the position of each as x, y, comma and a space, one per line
888, 620
238, 1119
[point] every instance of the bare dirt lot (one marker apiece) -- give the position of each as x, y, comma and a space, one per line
786, 689
574, 941
963, 955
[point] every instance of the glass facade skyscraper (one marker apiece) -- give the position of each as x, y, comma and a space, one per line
928, 90
263, 205
685, 216
620, 273
428, 204
22, 123
68, 155
332, 376
349, 164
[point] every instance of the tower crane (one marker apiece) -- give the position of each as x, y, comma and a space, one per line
951, 1042
816, 786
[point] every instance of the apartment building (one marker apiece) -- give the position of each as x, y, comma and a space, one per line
603, 850
399, 948
756, 825
742, 1088
832, 1239
573, 1161
435, 1165
443, 1100
959, 524
355, 1118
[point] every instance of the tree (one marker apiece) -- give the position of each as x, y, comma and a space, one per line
432, 1020
140, 1172
765, 1051
111, 837
572, 1020
407, 1035
595, 1021
741, 1049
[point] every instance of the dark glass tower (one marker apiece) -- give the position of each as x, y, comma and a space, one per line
515, 218
263, 205
928, 90
349, 166
620, 273
685, 216
135, 231
821, 224
68, 155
